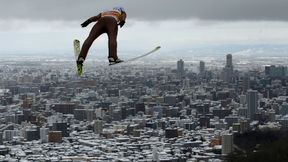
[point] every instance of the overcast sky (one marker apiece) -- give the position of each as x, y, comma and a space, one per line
50, 25
229, 10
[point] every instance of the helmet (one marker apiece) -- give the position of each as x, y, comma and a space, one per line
121, 9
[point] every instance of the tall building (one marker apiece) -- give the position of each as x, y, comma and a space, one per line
98, 126
44, 134
228, 70
180, 68
202, 67
229, 60
252, 102
227, 143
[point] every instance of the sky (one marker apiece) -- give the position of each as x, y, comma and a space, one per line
49, 26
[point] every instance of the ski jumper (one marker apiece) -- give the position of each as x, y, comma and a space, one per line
107, 22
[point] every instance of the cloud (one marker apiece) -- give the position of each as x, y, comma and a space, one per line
27, 25
148, 10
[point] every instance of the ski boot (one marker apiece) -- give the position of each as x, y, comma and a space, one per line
113, 61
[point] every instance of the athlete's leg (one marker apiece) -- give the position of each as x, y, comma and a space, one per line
95, 32
112, 31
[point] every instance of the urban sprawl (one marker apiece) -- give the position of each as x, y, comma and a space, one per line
136, 112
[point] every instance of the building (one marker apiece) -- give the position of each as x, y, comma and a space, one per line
11, 118
242, 99
284, 122
244, 125
64, 108
4, 150
63, 127
158, 111
243, 112
170, 100
98, 126
9, 134
230, 120
180, 68
116, 114
202, 67
44, 134
32, 134
276, 71
1, 138
204, 121
284, 108
221, 113
80, 114
227, 143
55, 136
171, 132
229, 60
90, 114
228, 70
252, 103
140, 106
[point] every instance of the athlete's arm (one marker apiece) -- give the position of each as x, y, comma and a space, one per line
95, 18
123, 21
91, 19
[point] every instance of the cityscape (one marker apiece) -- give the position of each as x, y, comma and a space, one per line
216, 91
174, 111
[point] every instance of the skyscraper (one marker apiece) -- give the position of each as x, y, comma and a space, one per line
202, 67
229, 60
228, 70
180, 68
252, 102
227, 143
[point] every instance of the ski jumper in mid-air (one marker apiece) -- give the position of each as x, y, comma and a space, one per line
107, 22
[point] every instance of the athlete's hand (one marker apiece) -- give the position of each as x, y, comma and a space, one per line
122, 23
86, 23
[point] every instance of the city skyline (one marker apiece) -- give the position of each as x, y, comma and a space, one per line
186, 26
217, 90
112, 113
